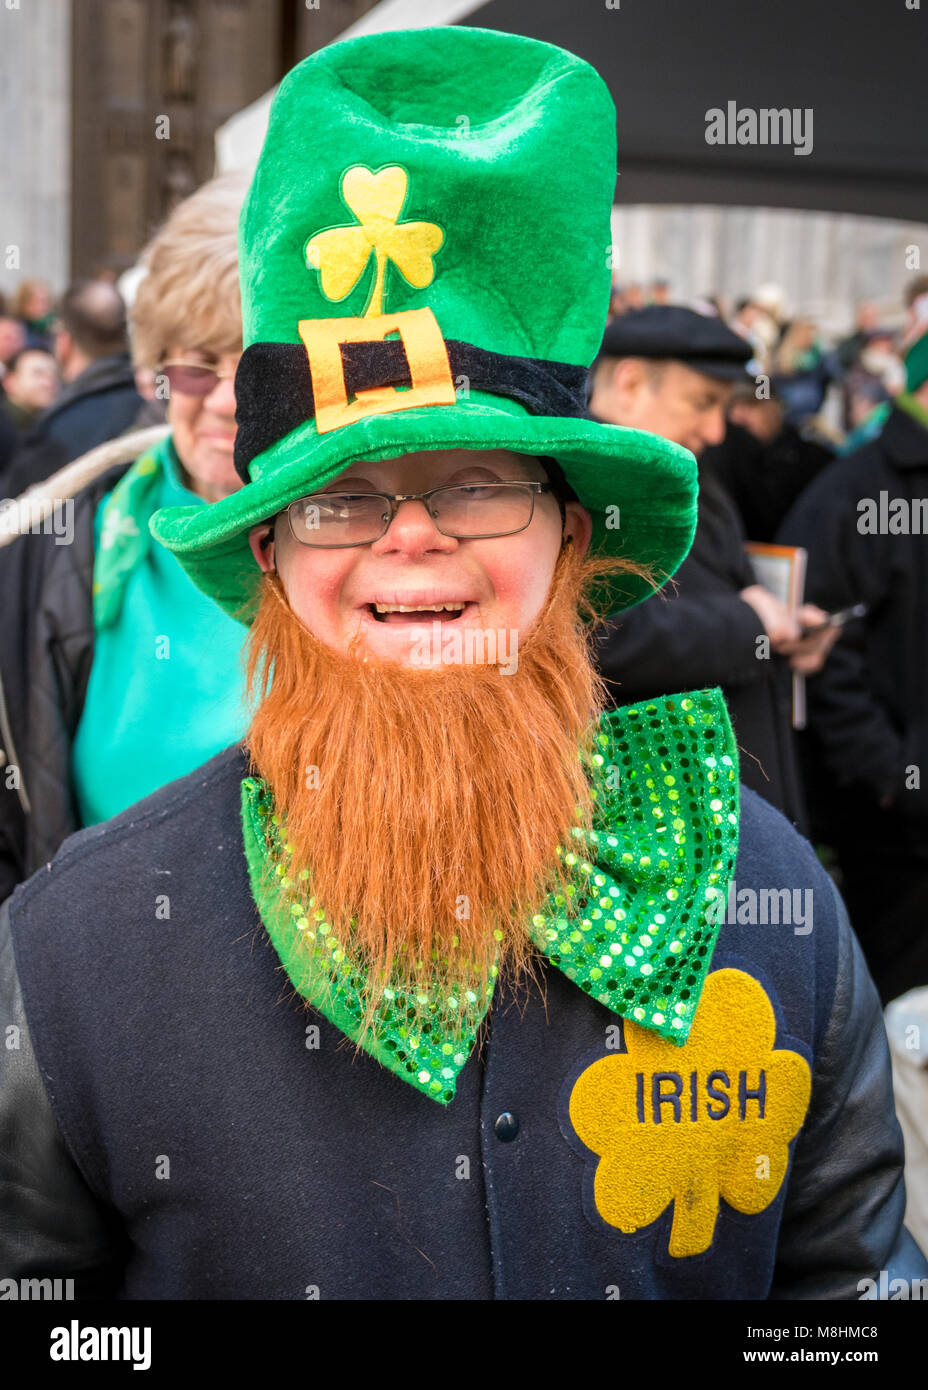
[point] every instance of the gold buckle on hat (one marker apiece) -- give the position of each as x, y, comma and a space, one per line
429, 368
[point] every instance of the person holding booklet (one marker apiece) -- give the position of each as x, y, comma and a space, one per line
672, 370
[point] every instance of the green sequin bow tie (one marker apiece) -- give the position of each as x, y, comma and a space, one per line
634, 928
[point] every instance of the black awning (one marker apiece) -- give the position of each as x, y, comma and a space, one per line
858, 64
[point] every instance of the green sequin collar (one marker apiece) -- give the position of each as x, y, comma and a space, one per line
634, 928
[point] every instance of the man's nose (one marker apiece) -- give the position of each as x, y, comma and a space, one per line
413, 531
713, 426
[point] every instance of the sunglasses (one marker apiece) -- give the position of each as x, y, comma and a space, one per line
192, 378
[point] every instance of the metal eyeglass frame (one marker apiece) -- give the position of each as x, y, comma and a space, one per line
201, 366
392, 499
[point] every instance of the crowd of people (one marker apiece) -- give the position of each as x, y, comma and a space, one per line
746, 396
67, 390
122, 669
863, 367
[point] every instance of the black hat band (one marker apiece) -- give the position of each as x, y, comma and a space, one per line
274, 390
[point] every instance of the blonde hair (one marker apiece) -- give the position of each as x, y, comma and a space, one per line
24, 293
785, 358
190, 292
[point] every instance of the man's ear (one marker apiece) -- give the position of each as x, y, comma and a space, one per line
601, 385
261, 540
617, 388
629, 378
578, 526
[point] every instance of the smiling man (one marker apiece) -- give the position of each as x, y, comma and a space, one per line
356, 588
477, 765
427, 992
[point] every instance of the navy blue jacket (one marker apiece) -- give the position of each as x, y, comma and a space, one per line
96, 406
173, 1130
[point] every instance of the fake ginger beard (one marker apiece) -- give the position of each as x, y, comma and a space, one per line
427, 805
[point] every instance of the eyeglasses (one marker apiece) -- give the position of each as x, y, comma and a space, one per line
192, 378
467, 511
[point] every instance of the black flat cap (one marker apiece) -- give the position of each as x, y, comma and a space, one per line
669, 331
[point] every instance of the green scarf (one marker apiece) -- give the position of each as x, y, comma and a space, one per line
634, 929
125, 539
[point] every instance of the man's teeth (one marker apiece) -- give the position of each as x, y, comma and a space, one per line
418, 607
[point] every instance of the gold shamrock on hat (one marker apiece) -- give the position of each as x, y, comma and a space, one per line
341, 254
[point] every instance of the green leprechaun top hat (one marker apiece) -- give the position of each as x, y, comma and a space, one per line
424, 265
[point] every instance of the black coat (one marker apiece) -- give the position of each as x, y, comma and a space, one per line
98, 405
9, 443
867, 708
764, 480
46, 650
294, 1163
698, 632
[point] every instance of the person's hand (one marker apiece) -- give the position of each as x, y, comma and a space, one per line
810, 653
779, 623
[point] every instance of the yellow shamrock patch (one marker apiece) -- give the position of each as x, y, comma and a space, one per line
341, 254
690, 1125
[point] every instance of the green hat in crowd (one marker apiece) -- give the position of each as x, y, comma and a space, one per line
425, 260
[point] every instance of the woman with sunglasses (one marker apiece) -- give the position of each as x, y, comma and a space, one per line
117, 674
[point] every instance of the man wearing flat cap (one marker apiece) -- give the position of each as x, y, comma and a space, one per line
672, 371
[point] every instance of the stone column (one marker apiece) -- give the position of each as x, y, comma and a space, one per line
35, 124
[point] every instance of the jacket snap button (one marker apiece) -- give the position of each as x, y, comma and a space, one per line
506, 1127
